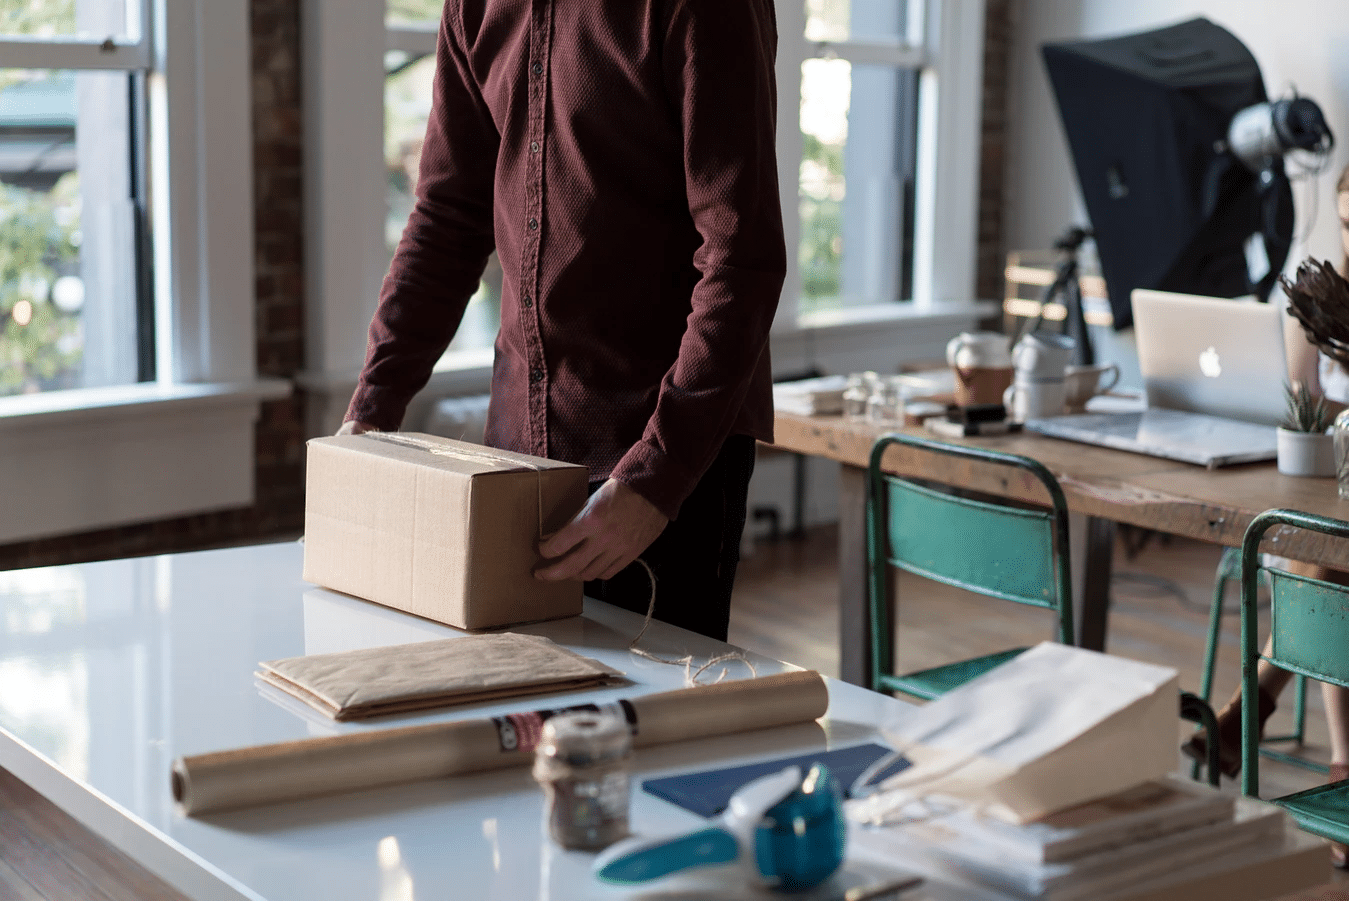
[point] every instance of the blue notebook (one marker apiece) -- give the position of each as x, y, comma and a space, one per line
706, 793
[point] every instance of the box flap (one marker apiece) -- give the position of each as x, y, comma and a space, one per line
444, 454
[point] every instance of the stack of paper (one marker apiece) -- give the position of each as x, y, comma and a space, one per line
1105, 849
810, 397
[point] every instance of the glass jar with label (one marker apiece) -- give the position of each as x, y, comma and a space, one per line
582, 762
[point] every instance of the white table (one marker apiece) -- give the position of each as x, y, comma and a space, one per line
109, 671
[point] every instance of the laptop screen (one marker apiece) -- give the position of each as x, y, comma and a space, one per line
1213, 355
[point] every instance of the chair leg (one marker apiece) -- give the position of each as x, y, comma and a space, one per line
1228, 568
1197, 710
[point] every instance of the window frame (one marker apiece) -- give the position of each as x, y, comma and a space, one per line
89, 458
945, 43
344, 199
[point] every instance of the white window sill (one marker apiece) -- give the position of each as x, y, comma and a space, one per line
29, 411
849, 339
82, 460
867, 315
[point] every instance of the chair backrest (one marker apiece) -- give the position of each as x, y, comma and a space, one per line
999, 550
1309, 625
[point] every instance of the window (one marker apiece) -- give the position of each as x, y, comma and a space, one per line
858, 112
127, 352
409, 64
885, 89
74, 286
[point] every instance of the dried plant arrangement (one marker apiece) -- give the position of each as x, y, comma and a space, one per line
1319, 299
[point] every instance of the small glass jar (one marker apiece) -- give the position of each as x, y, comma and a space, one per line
1341, 432
857, 393
886, 404
582, 762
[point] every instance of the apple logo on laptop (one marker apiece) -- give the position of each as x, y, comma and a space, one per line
1209, 364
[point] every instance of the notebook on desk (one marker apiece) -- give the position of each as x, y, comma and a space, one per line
1213, 373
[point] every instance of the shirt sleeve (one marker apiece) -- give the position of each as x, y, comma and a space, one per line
719, 76
445, 245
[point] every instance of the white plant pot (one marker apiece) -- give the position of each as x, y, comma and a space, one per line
1306, 453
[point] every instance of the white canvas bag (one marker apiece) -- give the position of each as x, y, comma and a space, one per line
1049, 729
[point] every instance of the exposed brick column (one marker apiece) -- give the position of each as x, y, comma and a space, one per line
993, 138
279, 437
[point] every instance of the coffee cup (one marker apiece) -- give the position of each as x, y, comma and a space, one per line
1042, 355
1082, 383
982, 364
1026, 399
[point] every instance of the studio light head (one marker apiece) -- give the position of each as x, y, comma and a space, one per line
1261, 134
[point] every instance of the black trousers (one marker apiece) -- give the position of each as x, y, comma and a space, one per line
695, 558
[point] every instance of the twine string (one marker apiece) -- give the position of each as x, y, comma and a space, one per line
691, 676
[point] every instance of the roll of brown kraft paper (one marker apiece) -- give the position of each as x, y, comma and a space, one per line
307, 768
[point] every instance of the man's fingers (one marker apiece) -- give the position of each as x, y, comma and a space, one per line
563, 541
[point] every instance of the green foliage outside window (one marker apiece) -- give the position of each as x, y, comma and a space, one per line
413, 10
40, 346
39, 18
821, 250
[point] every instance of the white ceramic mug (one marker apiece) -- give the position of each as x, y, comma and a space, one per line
1082, 383
1026, 399
1042, 355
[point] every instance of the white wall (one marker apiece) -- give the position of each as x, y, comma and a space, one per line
1297, 43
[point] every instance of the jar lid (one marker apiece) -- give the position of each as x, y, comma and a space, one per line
581, 738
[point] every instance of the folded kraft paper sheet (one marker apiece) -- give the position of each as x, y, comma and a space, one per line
410, 677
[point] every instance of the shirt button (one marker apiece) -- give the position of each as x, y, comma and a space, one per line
536, 375
533, 224
533, 146
537, 68
528, 302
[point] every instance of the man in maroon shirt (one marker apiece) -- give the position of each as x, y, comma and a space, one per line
619, 157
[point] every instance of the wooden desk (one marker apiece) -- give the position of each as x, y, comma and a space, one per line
1107, 486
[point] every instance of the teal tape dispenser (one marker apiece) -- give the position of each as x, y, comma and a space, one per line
786, 830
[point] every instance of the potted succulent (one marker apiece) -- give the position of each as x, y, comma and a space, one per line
1305, 447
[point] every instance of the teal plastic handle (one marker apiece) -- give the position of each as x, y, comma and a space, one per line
706, 847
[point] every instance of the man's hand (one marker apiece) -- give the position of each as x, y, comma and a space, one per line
352, 427
611, 531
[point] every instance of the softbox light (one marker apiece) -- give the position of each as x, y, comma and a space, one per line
1147, 119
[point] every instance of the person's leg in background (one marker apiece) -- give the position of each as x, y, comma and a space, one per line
695, 558
1272, 681
1336, 699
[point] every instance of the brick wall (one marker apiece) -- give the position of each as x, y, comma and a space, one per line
992, 250
279, 437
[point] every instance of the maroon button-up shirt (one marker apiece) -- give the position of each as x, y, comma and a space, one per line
619, 156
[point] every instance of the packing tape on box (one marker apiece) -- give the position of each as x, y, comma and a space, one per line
308, 768
513, 464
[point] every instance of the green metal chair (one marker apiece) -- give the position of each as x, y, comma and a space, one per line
995, 549
1229, 570
1309, 623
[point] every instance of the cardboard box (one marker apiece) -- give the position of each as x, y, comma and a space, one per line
440, 528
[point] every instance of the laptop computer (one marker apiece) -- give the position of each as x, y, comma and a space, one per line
1213, 373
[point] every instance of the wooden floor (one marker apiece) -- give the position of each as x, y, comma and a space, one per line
785, 607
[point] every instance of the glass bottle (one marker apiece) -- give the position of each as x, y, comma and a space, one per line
1341, 432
